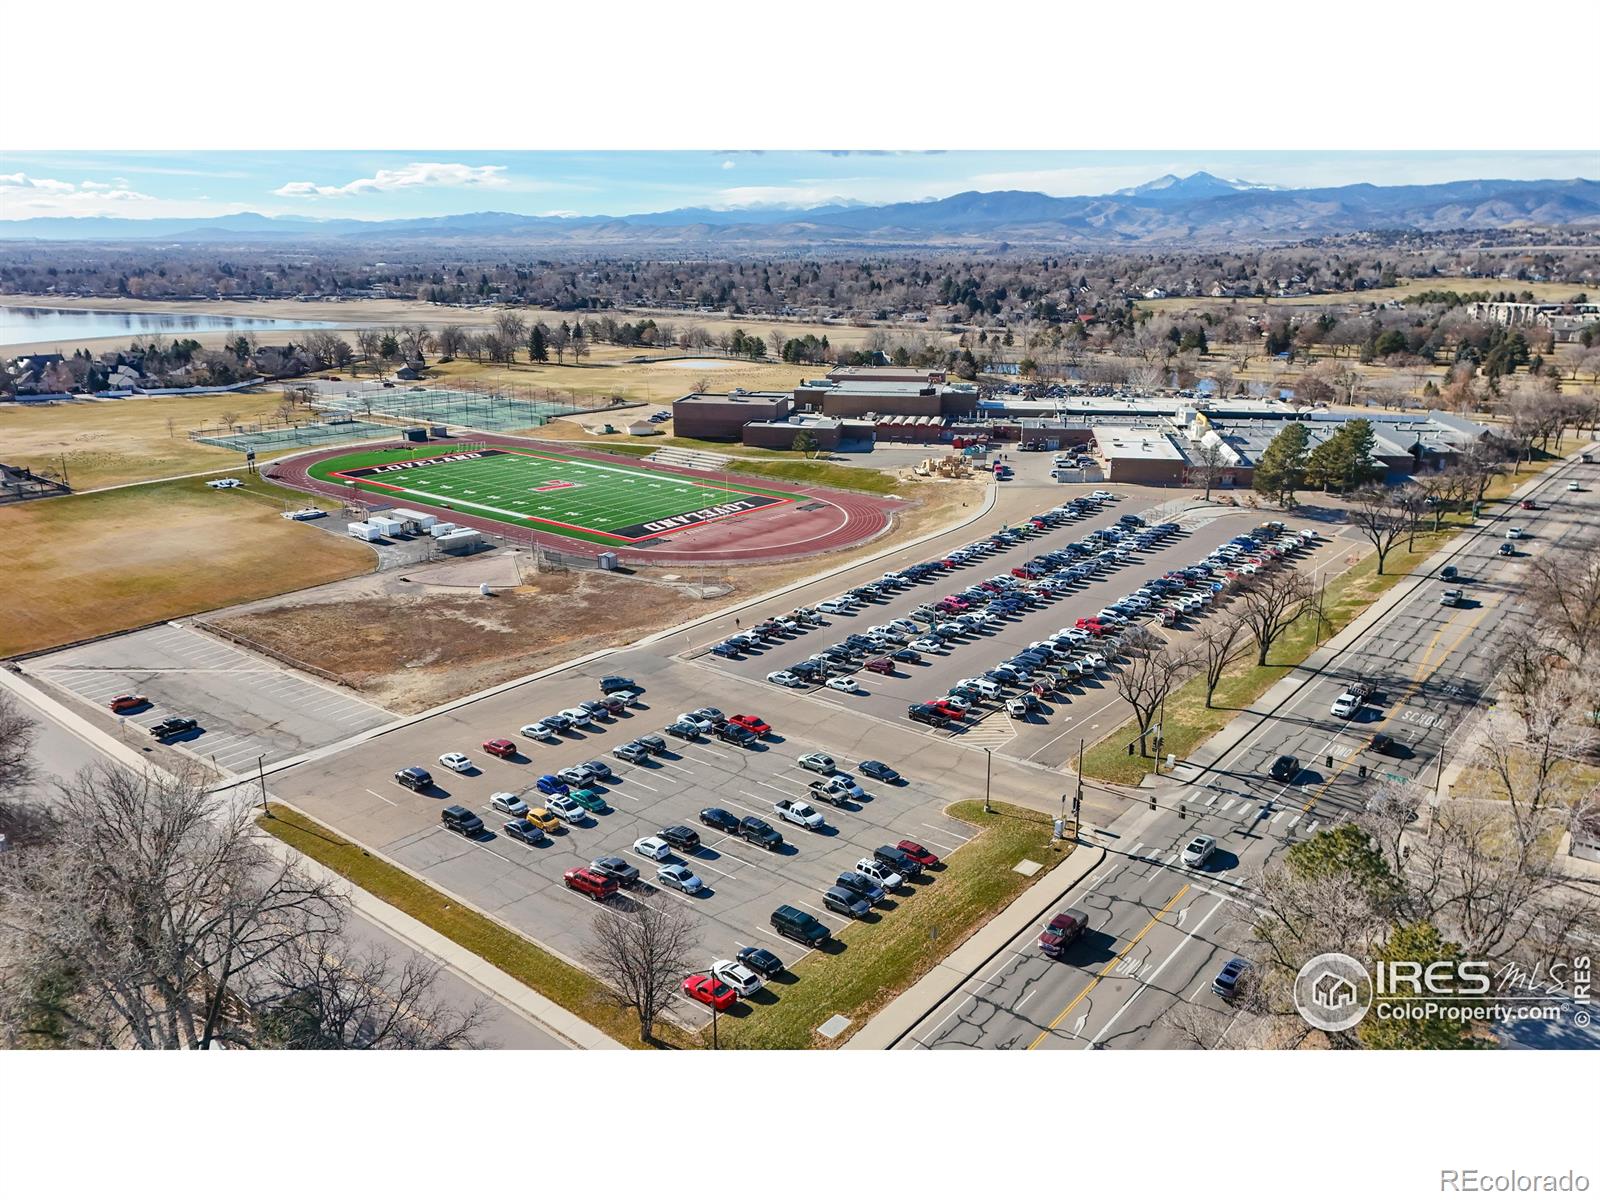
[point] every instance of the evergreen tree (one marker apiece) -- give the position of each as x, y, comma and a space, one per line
538, 348
1424, 944
1281, 470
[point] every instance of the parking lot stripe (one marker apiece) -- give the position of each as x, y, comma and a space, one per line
385, 799
948, 833
631, 780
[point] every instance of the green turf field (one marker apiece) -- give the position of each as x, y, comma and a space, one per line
594, 501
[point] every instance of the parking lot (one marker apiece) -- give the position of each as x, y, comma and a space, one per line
1085, 708
247, 706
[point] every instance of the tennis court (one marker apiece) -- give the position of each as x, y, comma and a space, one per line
612, 504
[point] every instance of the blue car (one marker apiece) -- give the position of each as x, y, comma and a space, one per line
1226, 984
550, 785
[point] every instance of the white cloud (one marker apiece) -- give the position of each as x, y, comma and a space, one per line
728, 164
412, 175
24, 195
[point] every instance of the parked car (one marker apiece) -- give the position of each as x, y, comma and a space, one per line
523, 831
898, 861
873, 769
758, 833
538, 731
172, 727
121, 704
917, 853
653, 848
736, 735
681, 838
764, 962
414, 778
816, 761
462, 820
631, 752
680, 877
620, 869
800, 925
458, 763
710, 991
588, 799
845, 903
577, 776
617, 683
719, 819
509, 803
860, 886
1226, 984
544, 818
884, 876
798, 812
551, 785
591, 883
739, 977
785, 679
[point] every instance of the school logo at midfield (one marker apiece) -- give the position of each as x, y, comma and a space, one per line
699, 516
555, 485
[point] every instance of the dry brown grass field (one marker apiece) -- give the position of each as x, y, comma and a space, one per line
1544, 293
106, 442
83, 566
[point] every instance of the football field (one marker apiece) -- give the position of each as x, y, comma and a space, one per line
612, 504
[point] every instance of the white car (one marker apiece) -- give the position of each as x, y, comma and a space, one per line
224, 483
653, 848
737, 976
785, 679
1309, 535
1347, 705
627, 698
703, 724
566, 808
927, 645
797, 812
676, 875
905, 625
834, 607
539, 732
843, 683
1101, 494
873, 869
1198, 851
579, 776
1516, 533
509, 803
578, 716
456, 762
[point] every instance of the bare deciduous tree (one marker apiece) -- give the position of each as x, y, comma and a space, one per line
1209, 458
642, 956
1382, 514
1149, 670
1271, 603
1221, 644
1563, 590
17, 773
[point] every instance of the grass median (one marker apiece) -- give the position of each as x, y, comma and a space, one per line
573, 989
883, 957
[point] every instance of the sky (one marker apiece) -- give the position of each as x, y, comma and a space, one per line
388, 184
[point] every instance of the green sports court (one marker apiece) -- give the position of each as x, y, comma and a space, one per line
609, 503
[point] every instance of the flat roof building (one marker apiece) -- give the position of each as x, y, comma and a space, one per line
720, 416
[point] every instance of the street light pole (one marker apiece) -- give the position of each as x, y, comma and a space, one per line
988, 773
261, 779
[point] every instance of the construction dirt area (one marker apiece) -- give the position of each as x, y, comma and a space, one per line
418, 637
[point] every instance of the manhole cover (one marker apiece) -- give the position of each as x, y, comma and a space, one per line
1027, 867
834, 1026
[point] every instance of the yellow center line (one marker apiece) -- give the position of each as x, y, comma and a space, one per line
1105, 970
1400, 703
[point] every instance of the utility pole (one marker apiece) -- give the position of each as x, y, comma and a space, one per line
1161, 728
261, 779
1077, 796
988, 772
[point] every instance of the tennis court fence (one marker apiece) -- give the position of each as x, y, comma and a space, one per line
498, 411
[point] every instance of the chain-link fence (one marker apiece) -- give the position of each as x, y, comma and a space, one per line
499, 411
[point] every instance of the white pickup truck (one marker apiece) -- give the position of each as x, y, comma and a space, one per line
798, 812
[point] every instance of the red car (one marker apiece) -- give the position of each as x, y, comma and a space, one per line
947, 709
128, 703
881, 666
754, 724
591, 883
709, 990
956, 602
1093, 625
918, 853
1526, 504
500, 747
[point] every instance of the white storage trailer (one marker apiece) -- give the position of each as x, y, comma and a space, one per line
362, 530
459, 540
421, 520
387, 526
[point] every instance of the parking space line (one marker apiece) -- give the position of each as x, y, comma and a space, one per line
385, 799
948, 833
630, 779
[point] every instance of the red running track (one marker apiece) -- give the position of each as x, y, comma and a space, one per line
768, 535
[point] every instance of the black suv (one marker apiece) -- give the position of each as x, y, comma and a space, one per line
799, 925
719, 818
681, 837
462, 820
736, 734
617, 683
415, 778
1285, 767
758, 833
172, 727
898, 861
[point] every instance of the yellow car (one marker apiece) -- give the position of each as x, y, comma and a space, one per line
544, 819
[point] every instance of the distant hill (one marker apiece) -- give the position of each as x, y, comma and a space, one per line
1199, 208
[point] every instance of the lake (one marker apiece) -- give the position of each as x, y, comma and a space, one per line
69, 326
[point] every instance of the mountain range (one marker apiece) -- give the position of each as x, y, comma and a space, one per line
1199, 208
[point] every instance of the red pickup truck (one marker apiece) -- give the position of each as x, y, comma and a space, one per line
754, 724
1064, 929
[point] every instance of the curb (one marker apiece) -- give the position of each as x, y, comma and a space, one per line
895, 1021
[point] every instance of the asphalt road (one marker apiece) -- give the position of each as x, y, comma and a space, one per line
1160, 931
60, 753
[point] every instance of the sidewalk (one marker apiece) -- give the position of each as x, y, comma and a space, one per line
902, 1014
517, 996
